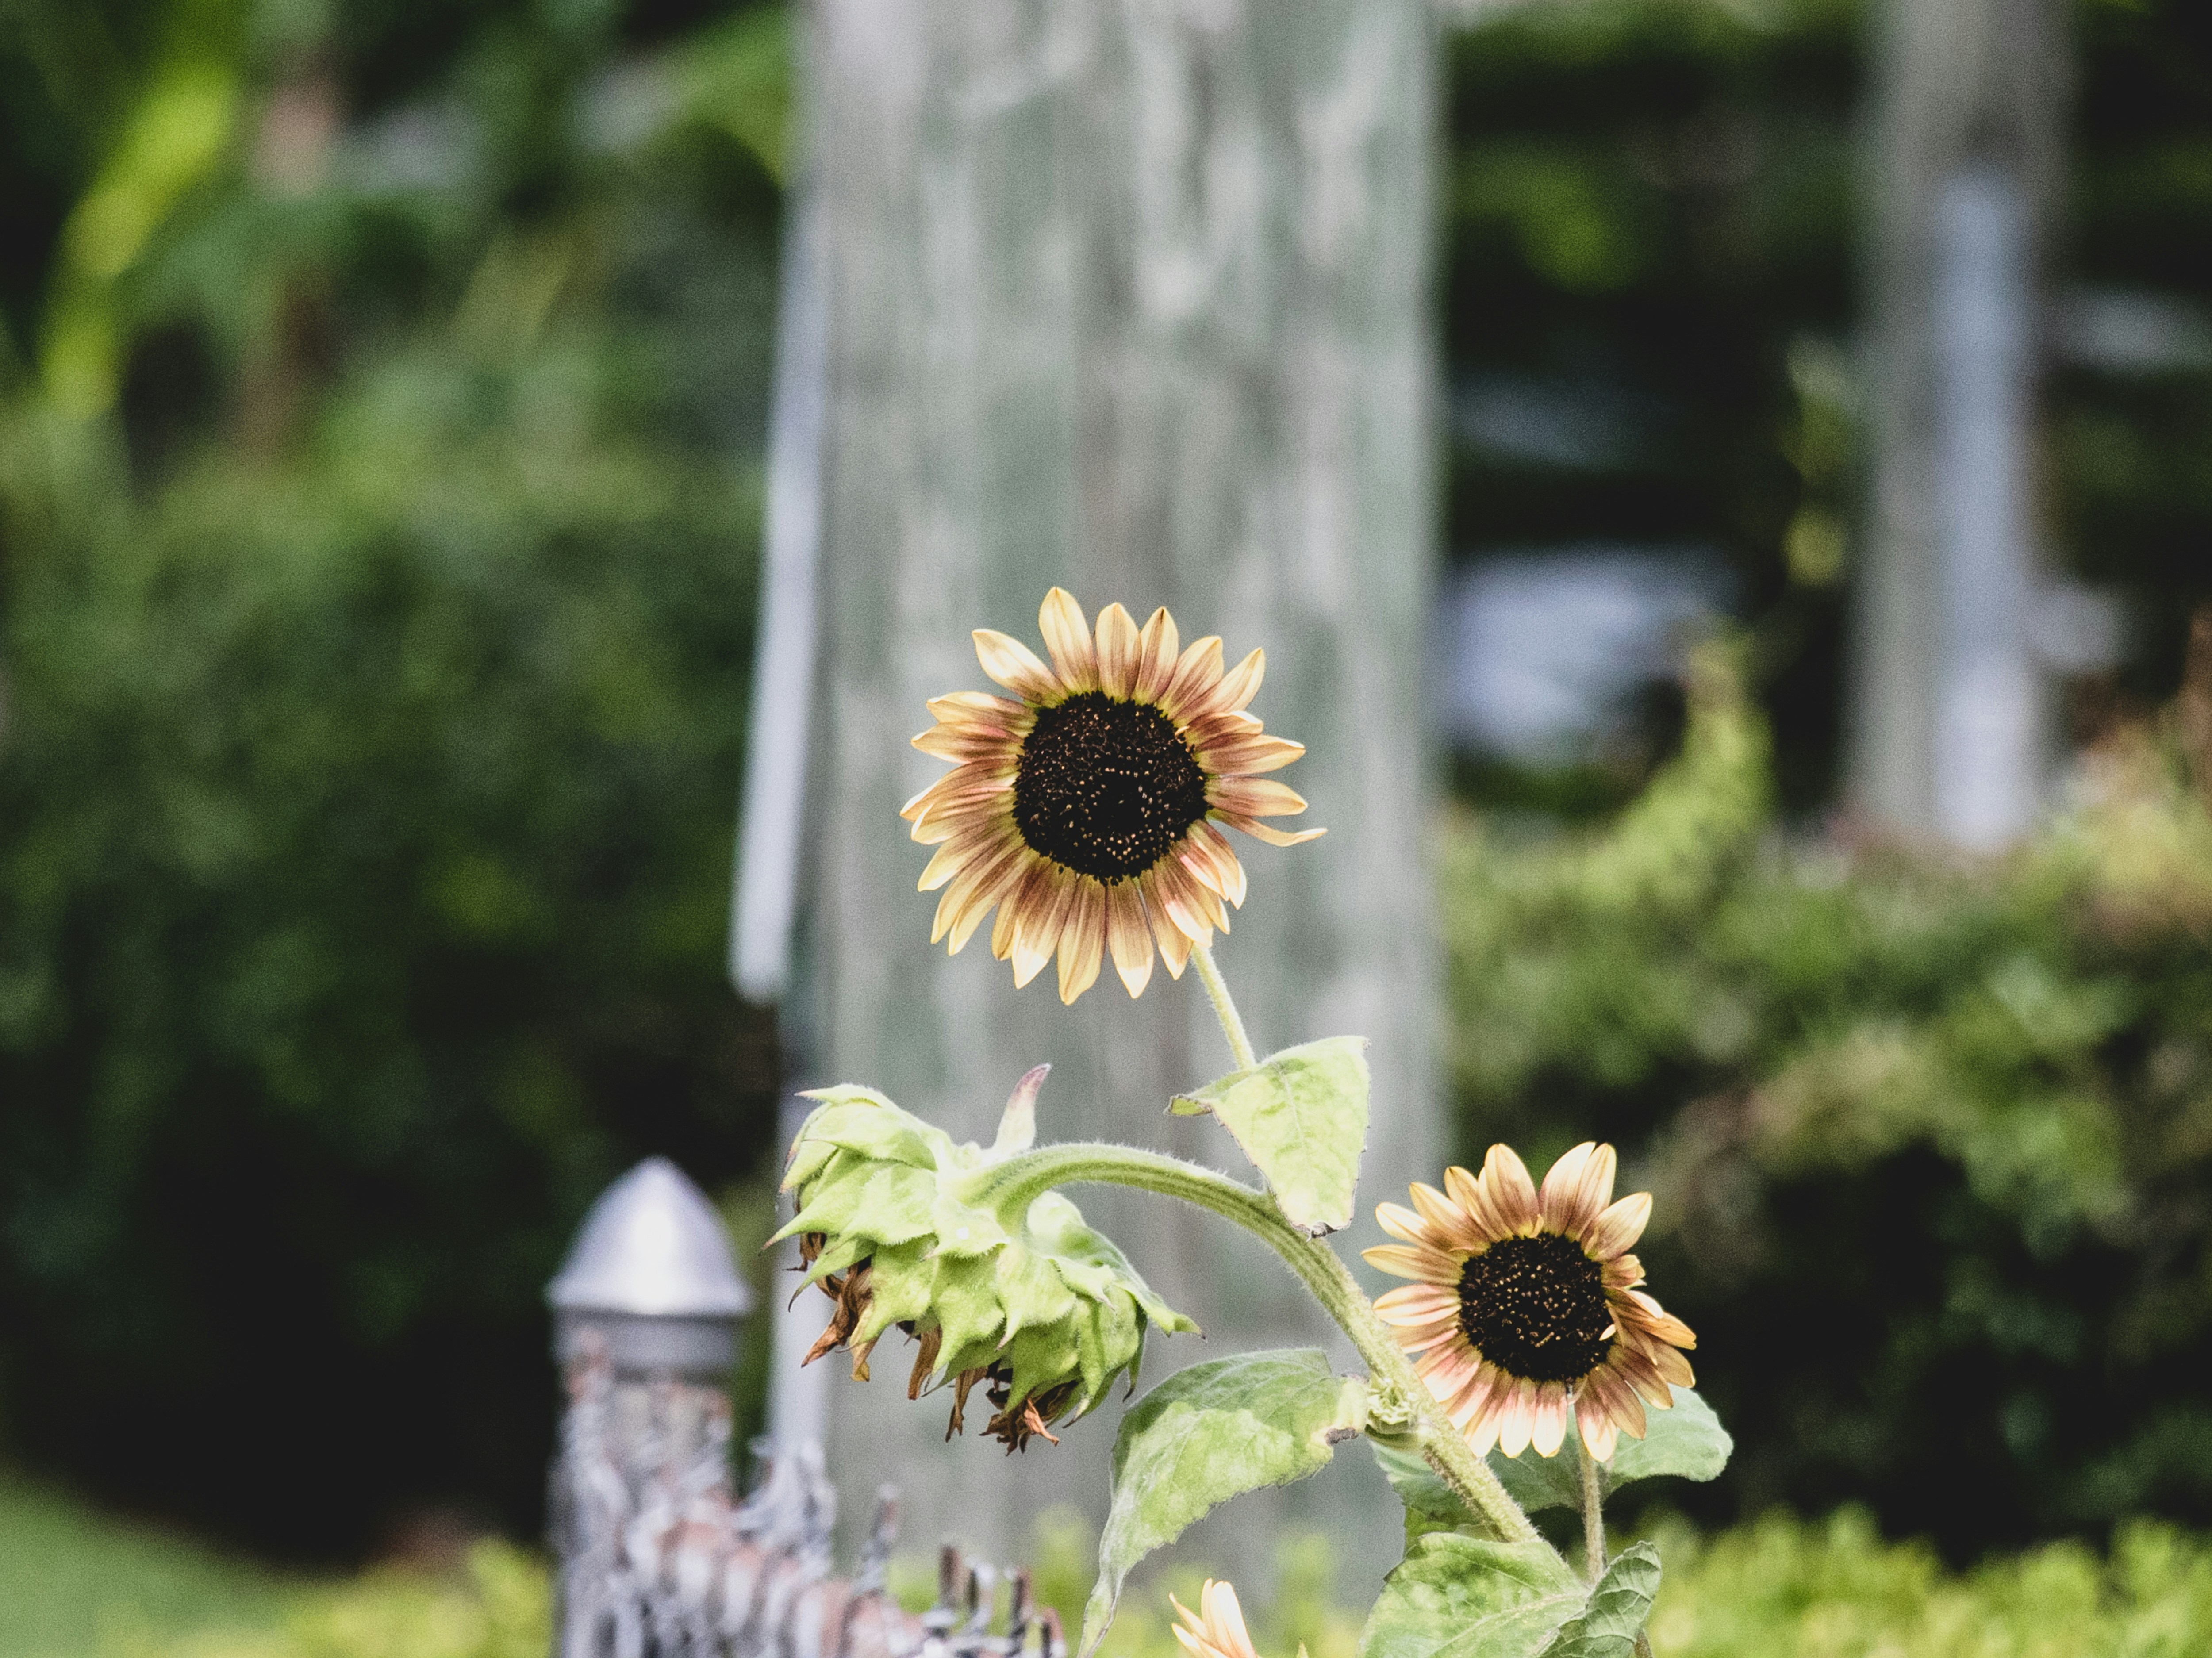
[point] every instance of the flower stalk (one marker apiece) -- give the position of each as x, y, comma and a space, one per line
1224, 1006
1593, 1510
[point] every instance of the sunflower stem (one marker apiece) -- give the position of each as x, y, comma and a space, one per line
1009, 1187
1224, 1007
1593, 1506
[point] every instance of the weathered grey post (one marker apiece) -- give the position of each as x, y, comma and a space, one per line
1950, 727
1132, 298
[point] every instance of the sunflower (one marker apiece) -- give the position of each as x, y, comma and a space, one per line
1525, 1302
1217, 1629
1084, 811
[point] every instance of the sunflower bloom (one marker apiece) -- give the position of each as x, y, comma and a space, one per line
1084, 808
1217, 1629
1525, 1303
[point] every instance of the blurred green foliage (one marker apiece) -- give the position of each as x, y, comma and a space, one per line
1835, 1590
1812, 1589
379, 494
70, 1580
1929, 1138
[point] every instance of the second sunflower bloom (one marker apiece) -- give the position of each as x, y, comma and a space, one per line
1525, 1303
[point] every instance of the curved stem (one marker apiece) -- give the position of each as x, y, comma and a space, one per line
1224, 1007
1009, 1187
1593, 1507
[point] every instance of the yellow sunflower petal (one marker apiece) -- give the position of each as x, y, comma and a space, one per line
1117, 652
1016, 666
977, 708
1175, 944
1618, 1227
1194, 910
955, 853
1401, 1222
1158, 649
1577, 1187
1128, 938
1481, 1427
1228, 873
1507, 1197
1600, 1433
1448, 1223
1416, 1302
975, 890
1082, 940
1248, 757
1254, 797
1547, 1428
1430, 1266
1036, 929
1235, 689
1517, 1418
1619, 1401
962, 744
1067, 636
1198, 670
1272, 835
1224, 1621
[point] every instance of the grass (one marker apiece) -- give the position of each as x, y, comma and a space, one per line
74, 1583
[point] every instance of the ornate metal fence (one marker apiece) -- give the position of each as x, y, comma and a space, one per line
659, 1557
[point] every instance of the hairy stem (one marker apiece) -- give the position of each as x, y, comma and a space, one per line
1010, 1186
1224, 1007
1593, 1507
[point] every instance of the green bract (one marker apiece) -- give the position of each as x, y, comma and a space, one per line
899, 1227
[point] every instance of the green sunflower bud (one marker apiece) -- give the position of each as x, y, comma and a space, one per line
1039, 1308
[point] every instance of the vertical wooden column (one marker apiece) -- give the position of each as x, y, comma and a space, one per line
1962, 172
1130, 297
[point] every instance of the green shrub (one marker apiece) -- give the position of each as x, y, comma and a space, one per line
1835, 1590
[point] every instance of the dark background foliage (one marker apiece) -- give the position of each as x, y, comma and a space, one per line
375, 678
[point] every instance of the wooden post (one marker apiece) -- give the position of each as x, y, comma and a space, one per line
1131, 298
1947, 725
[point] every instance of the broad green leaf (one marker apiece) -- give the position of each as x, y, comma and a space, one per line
1543, 1481
1301, 1116
1455, 1596
1688, 1441
1419, 1486
1617, 1611
1206, 1434
1431, 1504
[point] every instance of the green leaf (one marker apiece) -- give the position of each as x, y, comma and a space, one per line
1543, 1481
1206, 1434
1616, 1612
1301, 1116
1686, 1441
1455, 1596
1431, 1504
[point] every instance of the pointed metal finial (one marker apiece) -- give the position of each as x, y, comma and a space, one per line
651, 1272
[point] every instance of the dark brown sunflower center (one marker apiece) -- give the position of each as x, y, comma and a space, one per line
1106, 788
1535, 1307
